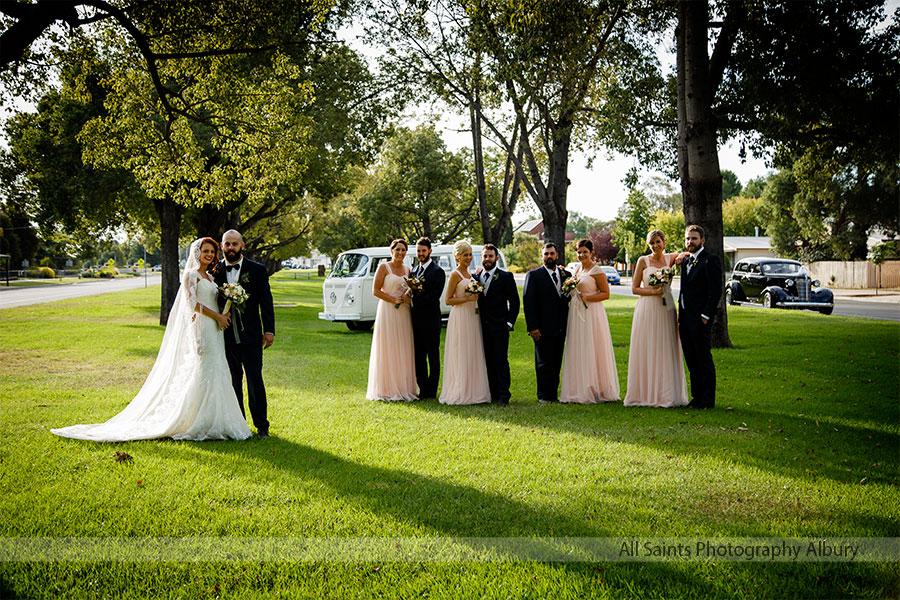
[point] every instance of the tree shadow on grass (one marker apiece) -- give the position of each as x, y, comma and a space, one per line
678, 431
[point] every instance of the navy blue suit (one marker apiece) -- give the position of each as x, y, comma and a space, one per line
498, 308
426, 322
548, 310
700, 291
245, 356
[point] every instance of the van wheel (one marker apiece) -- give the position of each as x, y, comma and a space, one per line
359, 325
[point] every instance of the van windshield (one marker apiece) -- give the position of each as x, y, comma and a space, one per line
350, 265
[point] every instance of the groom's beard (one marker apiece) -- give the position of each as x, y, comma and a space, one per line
232, 257
487, 264
550, 263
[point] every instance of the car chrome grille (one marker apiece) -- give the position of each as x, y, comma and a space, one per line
802, 288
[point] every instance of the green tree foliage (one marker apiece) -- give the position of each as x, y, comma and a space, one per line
419, 189
731, 187
633, 222
524, 253
754, 187
672, 225
740, 216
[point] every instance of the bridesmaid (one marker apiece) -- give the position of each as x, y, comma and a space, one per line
655, 368
392, 371
589, 365
465, 373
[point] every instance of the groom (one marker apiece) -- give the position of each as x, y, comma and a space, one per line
546, 312
426, 320
698, 300
245, 350
498, 306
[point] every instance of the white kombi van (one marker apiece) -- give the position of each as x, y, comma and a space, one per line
347, 290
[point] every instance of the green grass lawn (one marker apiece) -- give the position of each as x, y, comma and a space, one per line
803, 442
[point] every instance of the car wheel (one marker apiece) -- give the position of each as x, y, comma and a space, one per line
827, 311
729, 299
767, 300
359, 325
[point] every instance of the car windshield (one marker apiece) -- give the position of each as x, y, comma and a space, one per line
784, 268
609, 270
350, 265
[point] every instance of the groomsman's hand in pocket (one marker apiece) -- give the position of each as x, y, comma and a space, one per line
535, 334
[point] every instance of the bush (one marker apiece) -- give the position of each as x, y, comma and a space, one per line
107, 272
88, 274
41, 273
515, 269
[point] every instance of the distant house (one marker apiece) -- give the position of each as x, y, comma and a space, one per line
536, 227
739, 246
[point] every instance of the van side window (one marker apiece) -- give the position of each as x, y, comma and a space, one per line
443, 261
375, 263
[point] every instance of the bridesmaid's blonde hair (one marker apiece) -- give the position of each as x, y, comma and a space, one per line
654, 233
460, 247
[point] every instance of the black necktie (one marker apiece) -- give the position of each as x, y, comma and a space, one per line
688, 262
234, 266
555, 280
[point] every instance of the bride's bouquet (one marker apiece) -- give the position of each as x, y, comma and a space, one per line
662, 277
235, 295
570, 287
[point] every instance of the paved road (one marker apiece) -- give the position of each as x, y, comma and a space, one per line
872, 307
11, 297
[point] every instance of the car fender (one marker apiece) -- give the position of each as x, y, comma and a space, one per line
778, 293
737, 292
821, 295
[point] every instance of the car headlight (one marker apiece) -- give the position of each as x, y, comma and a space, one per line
816, 283
789, 282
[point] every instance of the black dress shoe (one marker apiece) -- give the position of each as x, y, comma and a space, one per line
545, 401
263, 434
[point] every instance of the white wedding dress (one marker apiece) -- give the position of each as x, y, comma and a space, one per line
188, 394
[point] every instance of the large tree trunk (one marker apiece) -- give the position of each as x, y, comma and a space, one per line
484, 213
701, 178
170, 213
553, 210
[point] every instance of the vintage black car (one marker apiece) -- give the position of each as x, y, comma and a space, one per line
776, 283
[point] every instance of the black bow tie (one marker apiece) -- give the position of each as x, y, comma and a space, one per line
234, 266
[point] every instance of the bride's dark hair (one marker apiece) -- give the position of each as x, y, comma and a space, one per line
213, 266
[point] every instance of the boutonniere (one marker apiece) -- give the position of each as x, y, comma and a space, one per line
495, 276
244, 278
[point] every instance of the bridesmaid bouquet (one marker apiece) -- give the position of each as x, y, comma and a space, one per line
662, 277
474, 287
414, 283
570, 287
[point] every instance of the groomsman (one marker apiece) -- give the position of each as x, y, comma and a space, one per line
498, 307
698, 300
426, 320
546, 312
251, 330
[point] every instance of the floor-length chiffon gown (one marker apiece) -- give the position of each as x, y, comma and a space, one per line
655, 366
392, 368
465, 373
589, 372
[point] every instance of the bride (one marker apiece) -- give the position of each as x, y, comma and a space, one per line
188, 394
